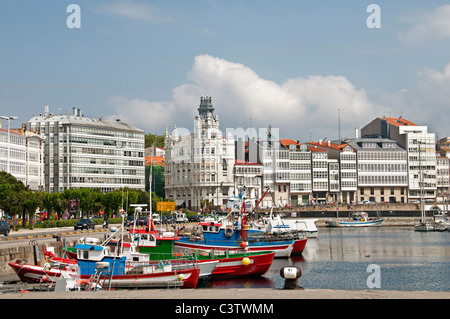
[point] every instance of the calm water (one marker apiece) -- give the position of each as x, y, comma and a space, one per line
339, 257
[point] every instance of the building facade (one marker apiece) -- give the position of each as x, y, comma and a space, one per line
382, 170
21, 155
343, 181
420, 146
84, 152
199, 167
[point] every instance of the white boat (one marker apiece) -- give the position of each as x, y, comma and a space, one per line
275, 224
358, 219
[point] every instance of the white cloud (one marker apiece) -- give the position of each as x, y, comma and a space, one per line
427, 102
432, 25
436, 77
299, 107
134, 10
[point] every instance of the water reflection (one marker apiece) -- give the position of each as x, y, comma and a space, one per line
339, 257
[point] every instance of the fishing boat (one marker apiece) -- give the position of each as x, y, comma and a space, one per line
355, 219
133, 253
48, 273
118, 272
275, 224
125, 273
358, 219
228, 264
231, 233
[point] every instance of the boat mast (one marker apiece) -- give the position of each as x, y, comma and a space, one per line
422, 208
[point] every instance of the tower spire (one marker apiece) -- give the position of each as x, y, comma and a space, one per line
206, 108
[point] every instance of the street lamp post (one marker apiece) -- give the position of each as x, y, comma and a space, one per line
9, 118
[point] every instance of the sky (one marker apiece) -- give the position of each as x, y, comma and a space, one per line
309, 69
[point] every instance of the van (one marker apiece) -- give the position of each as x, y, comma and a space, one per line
156, 219
181, 218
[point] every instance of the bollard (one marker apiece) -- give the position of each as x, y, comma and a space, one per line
291, 275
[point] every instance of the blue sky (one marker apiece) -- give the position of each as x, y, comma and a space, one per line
289, 63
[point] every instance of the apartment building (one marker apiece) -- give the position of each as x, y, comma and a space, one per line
21, 155
382, 170
442, 177
421, 154
345, 185
299, 172
249, 176
199, 167
86, 152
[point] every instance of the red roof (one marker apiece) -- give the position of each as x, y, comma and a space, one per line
315, 149
338, 147
399, 121
155, 160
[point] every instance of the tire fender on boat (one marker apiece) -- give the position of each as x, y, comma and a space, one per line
229, 231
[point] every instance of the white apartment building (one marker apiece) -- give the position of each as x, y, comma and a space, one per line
21, 155
86, 152
421, 153
382, 170
343, 182
320, 182
249, 176
300, 173
442, 176
275, 160
199, 167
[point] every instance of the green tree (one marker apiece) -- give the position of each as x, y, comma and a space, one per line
154, 139
31, 201
52, 202
10, 201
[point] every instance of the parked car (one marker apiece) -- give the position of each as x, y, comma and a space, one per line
84, 223
143, 221
156, 219
169, 220
4, 228
194, 218
129, 221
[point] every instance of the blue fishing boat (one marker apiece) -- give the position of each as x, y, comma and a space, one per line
232, 233
136, 272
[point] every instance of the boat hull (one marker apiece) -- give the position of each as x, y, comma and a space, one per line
299, 247
235, 266
186, 279
183, 278
39, 274
337, 223
281, 249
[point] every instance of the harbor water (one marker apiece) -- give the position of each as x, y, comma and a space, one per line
388, 258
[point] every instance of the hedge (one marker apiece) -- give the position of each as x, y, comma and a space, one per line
72, 222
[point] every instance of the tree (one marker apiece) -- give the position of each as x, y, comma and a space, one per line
52, 202
154, 140
10, 201
31, 201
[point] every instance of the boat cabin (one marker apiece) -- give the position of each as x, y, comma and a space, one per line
157, 245
90, 255
210, 227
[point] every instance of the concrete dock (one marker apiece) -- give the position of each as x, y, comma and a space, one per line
231, 294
